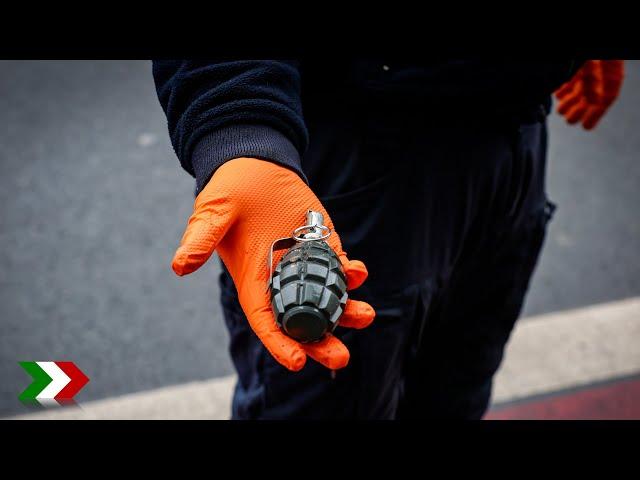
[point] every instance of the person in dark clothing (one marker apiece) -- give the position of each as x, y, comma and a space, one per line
433, 175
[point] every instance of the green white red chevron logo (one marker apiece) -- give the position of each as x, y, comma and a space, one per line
52, 382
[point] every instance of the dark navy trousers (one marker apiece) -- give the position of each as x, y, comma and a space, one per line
449, 218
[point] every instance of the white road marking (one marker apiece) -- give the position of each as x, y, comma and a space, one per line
545, 353
570, 348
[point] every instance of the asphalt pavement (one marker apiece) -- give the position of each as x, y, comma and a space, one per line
93, 203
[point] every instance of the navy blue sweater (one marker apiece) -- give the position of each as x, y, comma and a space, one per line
220, 110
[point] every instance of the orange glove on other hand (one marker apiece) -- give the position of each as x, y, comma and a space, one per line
247, 204
587, 96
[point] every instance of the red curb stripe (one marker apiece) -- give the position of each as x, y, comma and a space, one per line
619, 400
78, 380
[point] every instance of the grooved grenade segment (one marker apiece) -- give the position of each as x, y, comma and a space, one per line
308, 288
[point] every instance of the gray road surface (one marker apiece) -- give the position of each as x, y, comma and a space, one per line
93, 203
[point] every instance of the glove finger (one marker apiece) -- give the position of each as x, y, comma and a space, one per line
569, 101
566, 88
592, 81
355, 271
207, 225
592, 117
285, 350
329, 351
357, 314
576, 113
613, 75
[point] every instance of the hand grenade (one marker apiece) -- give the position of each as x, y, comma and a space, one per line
308, 285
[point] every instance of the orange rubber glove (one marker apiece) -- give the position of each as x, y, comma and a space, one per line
247, 204
587, 96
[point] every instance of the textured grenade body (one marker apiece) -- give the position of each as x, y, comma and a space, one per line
308, 291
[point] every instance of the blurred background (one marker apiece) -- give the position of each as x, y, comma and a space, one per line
93, 203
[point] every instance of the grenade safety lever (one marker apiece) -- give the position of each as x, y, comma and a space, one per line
308, 285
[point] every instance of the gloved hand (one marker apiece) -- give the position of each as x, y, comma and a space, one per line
247, 204
587, 96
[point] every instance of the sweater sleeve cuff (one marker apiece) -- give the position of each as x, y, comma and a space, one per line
237, 141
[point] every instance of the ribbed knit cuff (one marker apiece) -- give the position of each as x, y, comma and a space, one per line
237, 141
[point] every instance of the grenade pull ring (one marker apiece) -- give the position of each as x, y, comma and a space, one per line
315, 229
308, 285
